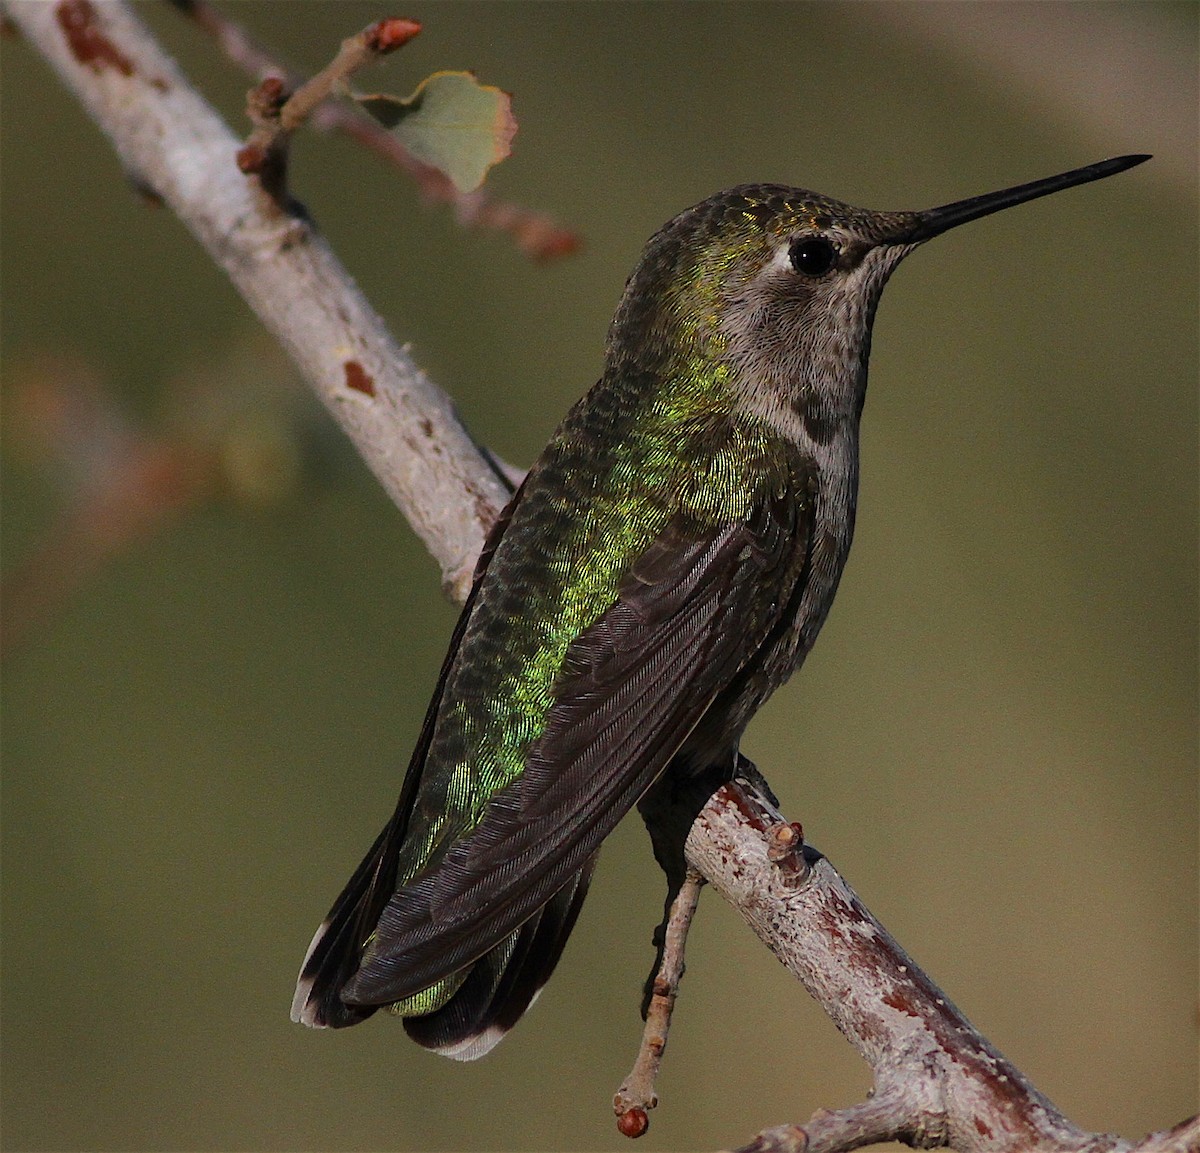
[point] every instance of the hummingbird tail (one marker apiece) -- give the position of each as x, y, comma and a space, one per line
503, 983
495, 993
336, 950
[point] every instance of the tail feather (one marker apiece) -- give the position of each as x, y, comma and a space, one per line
495, 992
505, 981
336, 949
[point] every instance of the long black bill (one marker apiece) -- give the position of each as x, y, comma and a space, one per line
935, 221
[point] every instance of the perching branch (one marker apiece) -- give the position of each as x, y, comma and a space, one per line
938, 1082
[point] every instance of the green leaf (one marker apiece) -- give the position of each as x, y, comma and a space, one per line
451, 122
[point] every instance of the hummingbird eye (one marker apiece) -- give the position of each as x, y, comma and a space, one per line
813, 256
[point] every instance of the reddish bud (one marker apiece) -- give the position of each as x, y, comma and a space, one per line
388, 35
251, 158
269, 96
562, 243
633, 1122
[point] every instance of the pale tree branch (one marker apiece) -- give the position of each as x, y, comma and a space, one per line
174, 143
938, 1081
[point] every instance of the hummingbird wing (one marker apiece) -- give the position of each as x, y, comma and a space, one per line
336, 948
693, 613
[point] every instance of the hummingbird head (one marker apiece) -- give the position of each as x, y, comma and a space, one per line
767, 293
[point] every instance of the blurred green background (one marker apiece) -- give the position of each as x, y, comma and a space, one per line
995, 740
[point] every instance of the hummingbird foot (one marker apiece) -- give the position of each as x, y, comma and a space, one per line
668, 810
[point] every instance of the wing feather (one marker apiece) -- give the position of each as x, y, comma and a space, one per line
690, 614
336, 949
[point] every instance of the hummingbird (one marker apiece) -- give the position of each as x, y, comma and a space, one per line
666, 564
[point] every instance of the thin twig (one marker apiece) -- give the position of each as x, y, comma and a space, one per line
378, 39
539, 236
636, 1096
276, 113
236, 430
126, 484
